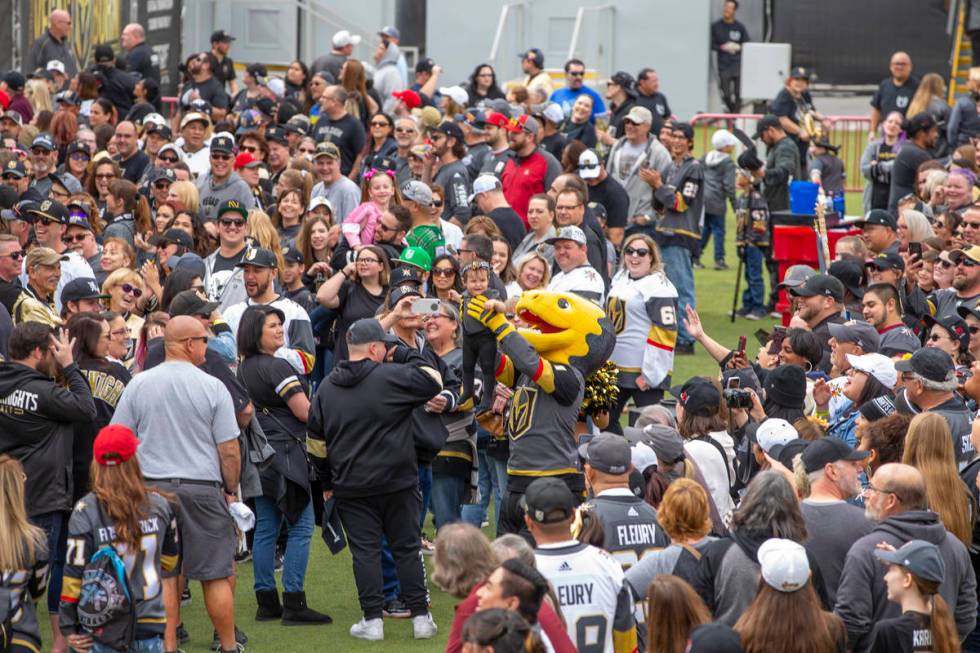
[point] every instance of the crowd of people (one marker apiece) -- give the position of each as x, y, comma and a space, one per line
332, 298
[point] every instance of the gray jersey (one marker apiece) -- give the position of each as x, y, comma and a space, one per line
25, 587
681, 200
630, 526
898, 339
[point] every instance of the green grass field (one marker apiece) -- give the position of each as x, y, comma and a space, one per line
330, 583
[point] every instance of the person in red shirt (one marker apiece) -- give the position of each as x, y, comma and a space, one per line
525, 172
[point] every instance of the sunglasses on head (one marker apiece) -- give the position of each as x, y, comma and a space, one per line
129, 288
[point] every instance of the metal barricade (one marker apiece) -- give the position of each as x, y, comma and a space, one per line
169, 103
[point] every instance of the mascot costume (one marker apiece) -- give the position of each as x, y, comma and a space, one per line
547, 365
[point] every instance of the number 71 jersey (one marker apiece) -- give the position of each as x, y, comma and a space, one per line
594, 598
88, 530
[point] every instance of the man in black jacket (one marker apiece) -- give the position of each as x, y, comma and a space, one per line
37, 417
371, 467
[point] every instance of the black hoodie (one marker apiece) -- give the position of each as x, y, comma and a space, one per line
862, 598
360, 427
36, 428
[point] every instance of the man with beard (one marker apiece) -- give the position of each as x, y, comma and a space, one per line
221, 184
498, 140
879, 231
38, 425
130, 157
50, 223
44, 161
896, 501
820, 305
10, 261
966, 282
449, 149
525, 173
258, 273
882, 309
204, 86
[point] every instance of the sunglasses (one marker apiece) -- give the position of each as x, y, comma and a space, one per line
105, 175
629, 251
443, 272
47, 222
14, 256
576, 73
130, 289
168, 159
39, 151
232, 223
967, 262
946, 264
380, 124
79, 156
221, 157
77, 238
439, 203
161, 185
403, 130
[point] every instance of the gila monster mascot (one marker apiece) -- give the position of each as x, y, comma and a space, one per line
569, 338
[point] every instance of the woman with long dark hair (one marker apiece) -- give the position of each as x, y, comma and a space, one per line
785, 589
282, 406
444, 278
381, 146
123, 513
127, 211
869, 377
878, 159
355, 291
102, 172
297, 76
482, 85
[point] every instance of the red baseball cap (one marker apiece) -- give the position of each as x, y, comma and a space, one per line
114, 444
245, 160
498, 119
411, 99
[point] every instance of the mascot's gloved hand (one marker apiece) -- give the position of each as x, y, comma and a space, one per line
477, 309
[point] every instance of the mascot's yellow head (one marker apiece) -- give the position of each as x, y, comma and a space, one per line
566, 329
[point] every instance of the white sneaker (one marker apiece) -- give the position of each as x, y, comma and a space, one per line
423, 627
369, 629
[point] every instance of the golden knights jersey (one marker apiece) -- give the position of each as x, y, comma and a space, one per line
89, 529
23, 587
629, 525
594, 597
644, 314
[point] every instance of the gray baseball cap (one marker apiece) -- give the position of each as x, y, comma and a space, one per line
417, 191
921, 558
607, 453
859, 332
571, 232
796, 275
368, 330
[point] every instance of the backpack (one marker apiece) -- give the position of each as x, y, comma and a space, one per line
106, 606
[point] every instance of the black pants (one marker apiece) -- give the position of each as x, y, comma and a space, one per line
641, 398
975, 42
396, 516
730, 82
512, 513
479, 348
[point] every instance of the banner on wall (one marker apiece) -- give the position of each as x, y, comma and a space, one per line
161, 20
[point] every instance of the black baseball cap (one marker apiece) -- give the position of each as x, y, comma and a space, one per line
405, 274
799, 72
190, 302
276, 135
879, 216
449, 128
535, 55
930, 363
223, 144
886, 261
257, 70
766, 122
104, 53
368, 330
162, 174
398, 293
608, 453
850, 274
292, 255
77, 146
922, 559
820, 284
785, 453
919, 122
969, 310
829, 450
425, 65
624, 79
232, 206
14, 167
81, 288
548, 501
954, 325
15, 80
221, 36
714, 638
698, 396
51, 210
260, 257
177, 237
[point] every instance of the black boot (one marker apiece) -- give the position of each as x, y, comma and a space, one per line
296, 613
269, 607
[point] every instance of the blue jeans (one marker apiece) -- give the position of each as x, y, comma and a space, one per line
677, 265
754, 295
268, 520
714, 225
55, 526
447, 499
151, 645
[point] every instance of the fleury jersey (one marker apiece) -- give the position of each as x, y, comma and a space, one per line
681, 200
629, 525
584, 281
23, 588
299, 348
644, 314
594, 597
543, 412
89, 530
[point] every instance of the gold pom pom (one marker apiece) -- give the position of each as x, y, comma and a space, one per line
600, 390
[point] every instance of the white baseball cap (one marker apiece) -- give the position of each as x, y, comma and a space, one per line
588, 165
277, 86
723, 138
343, 38
553, 113
56, 65
320, 201
877, 365
484, 184
784, 564
643, 456
457, 93
774, 431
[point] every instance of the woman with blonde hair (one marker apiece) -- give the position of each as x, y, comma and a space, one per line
262, 230
533, 272
642, 304
359, 104
673, 609
929, 448
38, 94
913, 227
120, 512
125, 287
186, 195
963, 120
23, 560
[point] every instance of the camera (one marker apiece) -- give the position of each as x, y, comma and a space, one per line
737, 398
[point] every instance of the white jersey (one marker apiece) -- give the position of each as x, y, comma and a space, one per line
452, 234
593, 595
644, 314
299, 347
76, 267
583, 281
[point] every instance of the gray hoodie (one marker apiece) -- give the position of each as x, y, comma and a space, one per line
387, 79
719, 182
862, 598
213, 195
